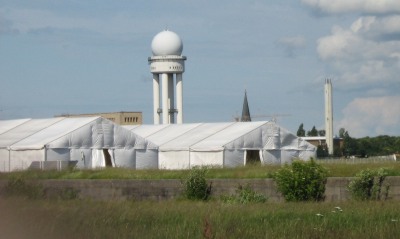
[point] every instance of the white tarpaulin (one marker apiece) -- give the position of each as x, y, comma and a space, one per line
91, 141
96, 142
229, 144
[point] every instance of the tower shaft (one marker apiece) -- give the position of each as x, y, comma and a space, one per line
167, 101
156, 98
328, 116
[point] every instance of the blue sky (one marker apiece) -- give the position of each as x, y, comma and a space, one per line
91, 56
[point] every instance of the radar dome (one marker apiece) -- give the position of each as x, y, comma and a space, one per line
166, 43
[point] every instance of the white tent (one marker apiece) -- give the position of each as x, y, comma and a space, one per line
183, 146
91, 141
96, 142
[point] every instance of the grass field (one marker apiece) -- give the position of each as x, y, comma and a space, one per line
252, 171
186, 219
51, 218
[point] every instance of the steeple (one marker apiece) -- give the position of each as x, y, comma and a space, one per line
245, 111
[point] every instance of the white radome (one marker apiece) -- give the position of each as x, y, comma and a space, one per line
166, 43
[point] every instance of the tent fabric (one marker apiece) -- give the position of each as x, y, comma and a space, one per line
182, 146
84, 139
25, 130
94, 142
7, 125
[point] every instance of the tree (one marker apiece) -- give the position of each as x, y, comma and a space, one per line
312, 132
321, 132
341, 132
322, 151
301, 132
350, 145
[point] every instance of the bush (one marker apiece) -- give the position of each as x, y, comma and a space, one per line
370, 185
245, 195
195, 185
302, 181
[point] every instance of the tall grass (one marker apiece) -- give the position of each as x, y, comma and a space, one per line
251, 171
184, 219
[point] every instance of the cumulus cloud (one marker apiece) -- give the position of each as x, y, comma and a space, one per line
290, 44
367, 53
364, 6
376, 115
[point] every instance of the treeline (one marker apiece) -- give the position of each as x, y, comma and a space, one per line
371, 146
345, 145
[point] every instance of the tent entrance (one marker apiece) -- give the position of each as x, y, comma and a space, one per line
107, 158
253, 157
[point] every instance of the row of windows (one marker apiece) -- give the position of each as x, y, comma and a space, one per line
131, 119
171, 67
112, 119
176, 67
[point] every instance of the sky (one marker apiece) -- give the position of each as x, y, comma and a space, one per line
76, 56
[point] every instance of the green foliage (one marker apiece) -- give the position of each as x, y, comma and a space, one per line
375, 146
337, 169
301, 132
341, 132
244, 195
195, 184
19, 187
312, 132
322, 151
351, 146
370, 185
302, 181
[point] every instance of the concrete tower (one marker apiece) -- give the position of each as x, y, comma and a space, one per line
328, 116
167, 61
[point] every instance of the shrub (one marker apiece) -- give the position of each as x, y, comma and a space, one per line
369, 185
302, 181
245, 195
195, 185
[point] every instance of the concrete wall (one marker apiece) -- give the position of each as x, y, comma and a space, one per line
336, 188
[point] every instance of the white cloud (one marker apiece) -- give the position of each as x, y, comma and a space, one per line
365, 54
364, 6
372, 116
290, 44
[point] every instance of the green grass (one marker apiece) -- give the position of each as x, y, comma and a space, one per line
252, 171
71, 218
185, 219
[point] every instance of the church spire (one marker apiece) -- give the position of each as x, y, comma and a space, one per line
245, 111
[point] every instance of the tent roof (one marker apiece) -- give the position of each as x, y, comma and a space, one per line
51, 132
67, 132
24, 130
161, 134
6, 125
197, 134
217, 136
228, 135
96, 132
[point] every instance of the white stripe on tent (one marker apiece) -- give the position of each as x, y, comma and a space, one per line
25, 130
6, 125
